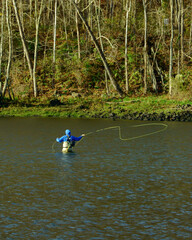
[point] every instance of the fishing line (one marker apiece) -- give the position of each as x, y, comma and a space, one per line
53, 145
132, 138
120, 135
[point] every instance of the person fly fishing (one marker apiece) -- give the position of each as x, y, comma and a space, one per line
68, 141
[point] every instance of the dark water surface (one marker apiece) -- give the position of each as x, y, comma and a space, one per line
106, 189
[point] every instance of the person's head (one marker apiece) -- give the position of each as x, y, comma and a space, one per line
68, 132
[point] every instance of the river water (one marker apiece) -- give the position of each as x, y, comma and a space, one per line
106, 189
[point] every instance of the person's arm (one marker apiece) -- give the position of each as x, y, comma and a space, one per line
77, 138
60, 140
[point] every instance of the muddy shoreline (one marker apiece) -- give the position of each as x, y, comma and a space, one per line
182, 116
185, 116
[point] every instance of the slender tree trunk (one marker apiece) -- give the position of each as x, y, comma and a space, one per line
10, 49
30, 11
111, 8
171, 49
190, 38
65, 20
97, 9
54, 32
134, 25
54, 42
78, 34
128, 8
145, 46
179, 37
49, 7
90, 15
37, 22
1, 43
151, 72
23, 39
105, 63
121, 18
182, 33
190, 34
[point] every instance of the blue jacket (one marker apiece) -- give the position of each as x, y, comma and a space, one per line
67, 136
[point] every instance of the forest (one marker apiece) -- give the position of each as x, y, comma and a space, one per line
52, 48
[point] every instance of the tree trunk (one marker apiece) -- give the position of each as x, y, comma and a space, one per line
134, 25
190, 34
65, 20
78, 35
8, 20
23, 39
54, 32
37, 22
179, 36
97, 9
49, 8
111, 8
54, 43
182, 33
152, 73
1, 43
128, 8
105, 63
20, 4
30, 11
171, 49
190, 38
145, 46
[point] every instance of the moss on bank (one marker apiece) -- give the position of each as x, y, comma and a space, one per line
139, 108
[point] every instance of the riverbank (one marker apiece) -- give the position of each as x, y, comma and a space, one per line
151, 108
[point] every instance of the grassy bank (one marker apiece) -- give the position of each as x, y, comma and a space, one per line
143, 108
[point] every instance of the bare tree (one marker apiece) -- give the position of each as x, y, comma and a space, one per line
26, 52
171, 48
110, 8
49, 8
179, 17
64, 20
54, 32
182, 33
54, 43
8, 20
98, 16
190, 36
128, 8
145, 45
30, 10
134, 25
78, 34
105, 63
90, 14
179, 35
37, 22
1, 43
21, 12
